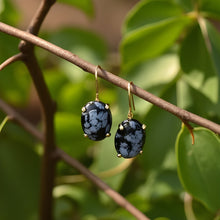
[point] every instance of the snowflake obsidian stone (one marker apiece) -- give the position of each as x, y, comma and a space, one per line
96, 120
130, 138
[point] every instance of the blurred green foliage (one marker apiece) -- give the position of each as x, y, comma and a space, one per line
171, 48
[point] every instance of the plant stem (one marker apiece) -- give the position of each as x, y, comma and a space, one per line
10, 60
48, 111
2, 124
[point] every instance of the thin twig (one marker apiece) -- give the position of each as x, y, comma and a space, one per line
120, 82
10, 60
120, 200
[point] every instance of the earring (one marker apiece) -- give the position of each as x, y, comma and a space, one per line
96, 118
130, 136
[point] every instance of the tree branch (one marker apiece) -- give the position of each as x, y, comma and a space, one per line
48, 162
10, 60
39, 16
120, 82
36, 22
48, 110
60, 154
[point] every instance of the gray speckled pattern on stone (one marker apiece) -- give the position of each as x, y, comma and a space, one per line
96, 120
129, 141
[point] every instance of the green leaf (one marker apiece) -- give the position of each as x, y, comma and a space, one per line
155, 76
210, 7
63, 208
214, 39
194, 100
106, 159
1, 6
169, 207
148, 12
55, 80
5, 50
9, 13
150, 40
158, 71
184, 96
187, 5
84, 5
201, 212
15, 84
160, 184
85, 44
70, 102
198, 165
88, 203
161, 218
78, 39
160, 134
14, 79
197, 64
70, 134
20, 175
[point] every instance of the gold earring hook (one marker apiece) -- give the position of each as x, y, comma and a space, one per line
96, 83
130, 101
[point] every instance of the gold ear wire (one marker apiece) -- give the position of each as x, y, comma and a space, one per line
130, 101
96, 83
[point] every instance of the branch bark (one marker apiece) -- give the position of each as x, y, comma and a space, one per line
48, 161
10, 60
120, 82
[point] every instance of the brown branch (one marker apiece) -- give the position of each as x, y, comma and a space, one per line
48, 162
122, 83
48, 110
39, 16
120, 200
36, 23
10, 60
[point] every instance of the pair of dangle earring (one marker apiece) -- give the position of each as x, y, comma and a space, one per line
96, 121
130, 136
96, 118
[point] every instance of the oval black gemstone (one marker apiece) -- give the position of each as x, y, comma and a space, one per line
96, 120
130, 138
